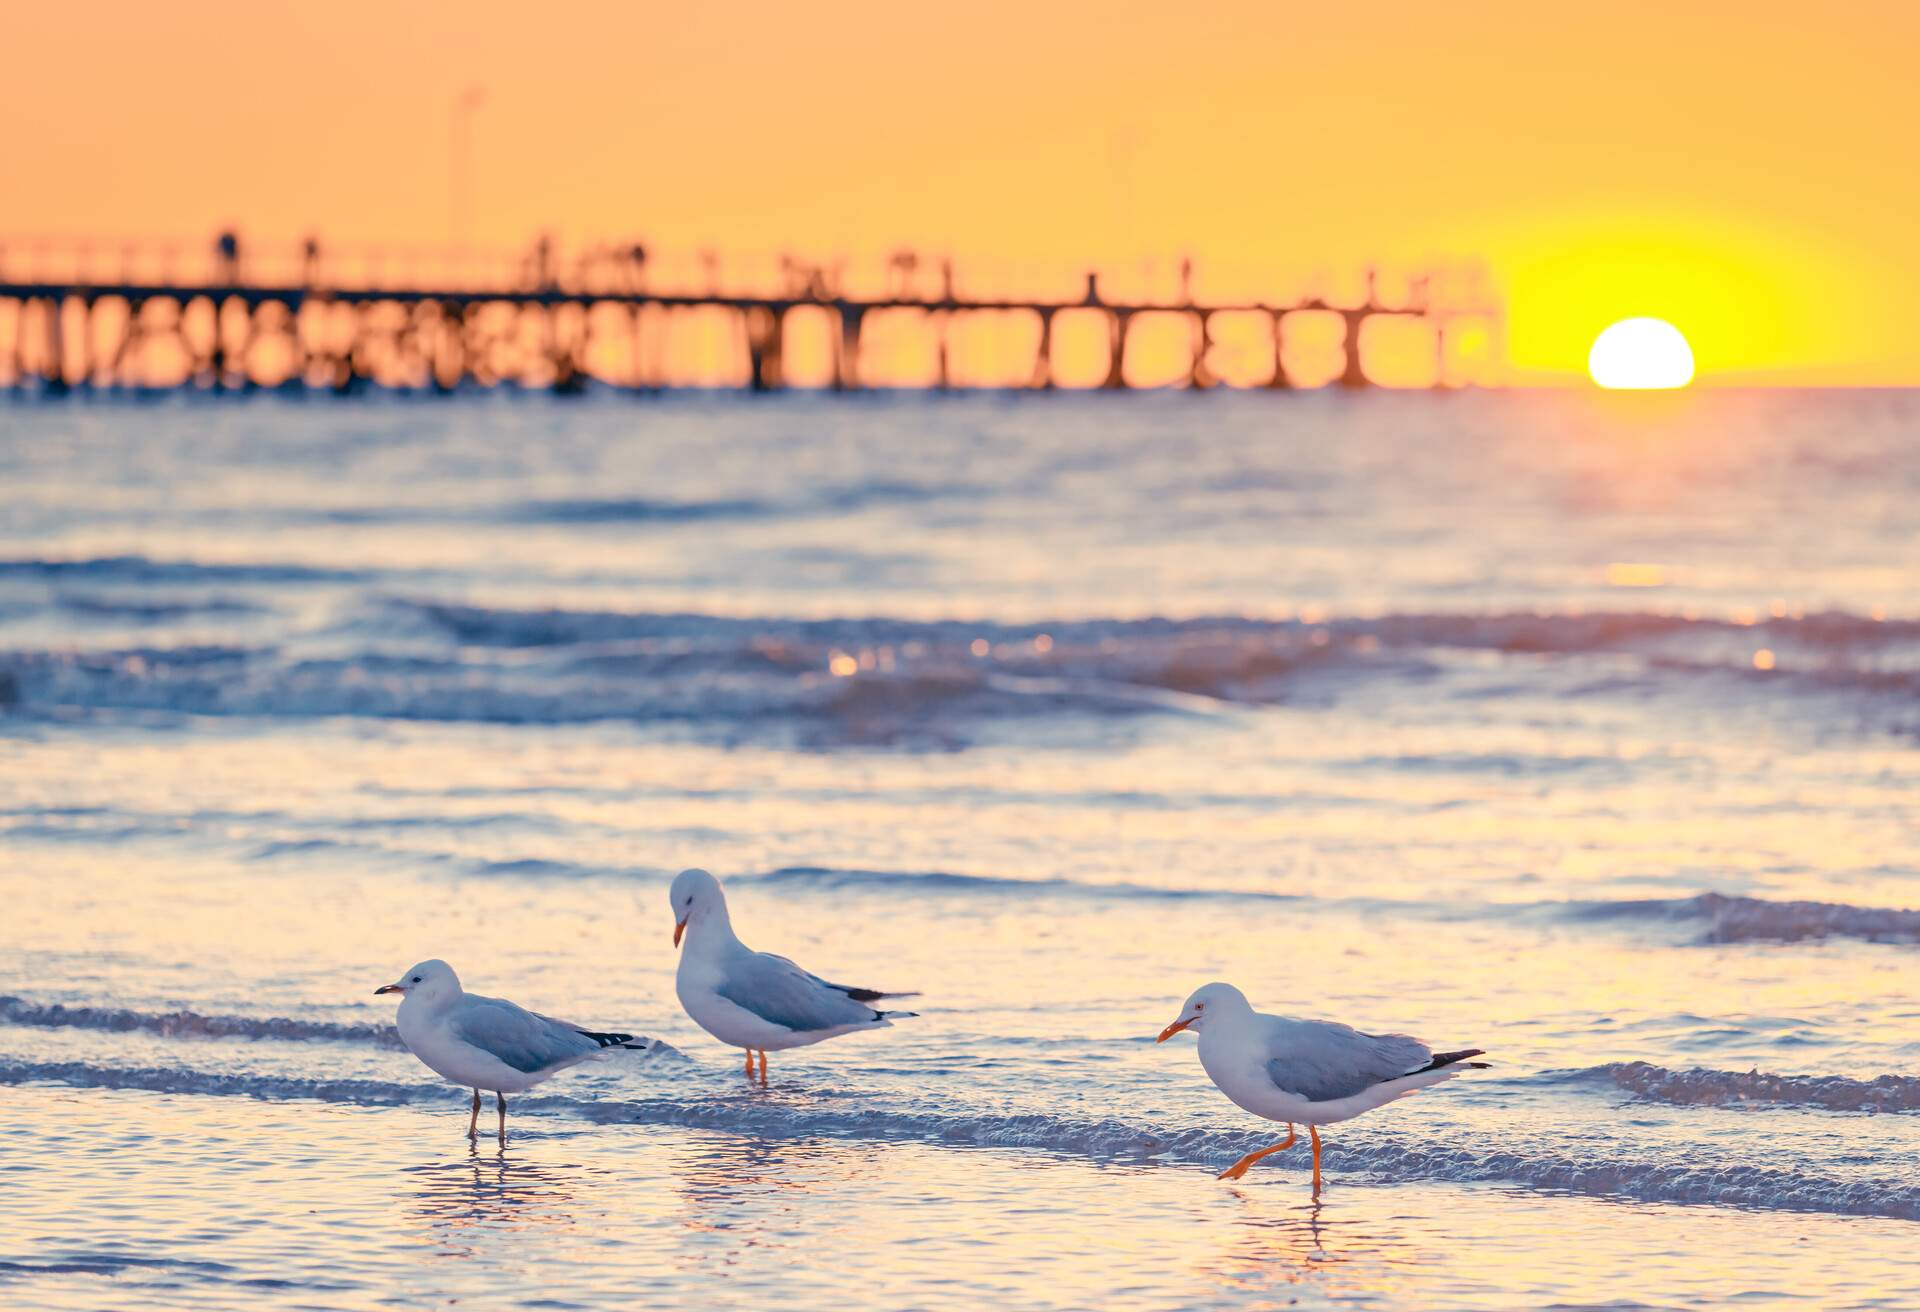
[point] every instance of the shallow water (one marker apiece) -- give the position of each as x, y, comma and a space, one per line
1579, 729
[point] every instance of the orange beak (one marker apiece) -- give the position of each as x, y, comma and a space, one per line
388, 988
679, 928
1174, 1029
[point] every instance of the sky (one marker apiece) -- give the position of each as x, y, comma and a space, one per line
1749, 171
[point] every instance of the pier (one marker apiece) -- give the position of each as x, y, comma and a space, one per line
240, 322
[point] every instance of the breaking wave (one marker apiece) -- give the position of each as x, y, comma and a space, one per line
1731, 919
881, 680
1709, 1088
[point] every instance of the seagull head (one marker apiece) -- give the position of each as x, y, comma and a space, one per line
1209, 1000
695, 893
429, 981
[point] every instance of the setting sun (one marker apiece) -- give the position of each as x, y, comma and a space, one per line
1641, 354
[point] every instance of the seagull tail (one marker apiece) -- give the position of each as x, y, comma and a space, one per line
897, 1015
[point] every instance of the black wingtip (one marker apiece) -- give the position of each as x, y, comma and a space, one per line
874, 995
609, 1040
1445, 1059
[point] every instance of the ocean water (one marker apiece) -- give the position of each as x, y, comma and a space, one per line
1582, 729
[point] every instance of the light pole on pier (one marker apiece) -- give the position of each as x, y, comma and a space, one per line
464, 106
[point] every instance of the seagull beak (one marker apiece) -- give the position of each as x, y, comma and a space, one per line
1175, 1028
679, 928
388, 988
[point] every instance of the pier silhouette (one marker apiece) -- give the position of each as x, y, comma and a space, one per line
239, 320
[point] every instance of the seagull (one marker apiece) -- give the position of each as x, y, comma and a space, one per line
489, 1043
755, 1000
1312, 1071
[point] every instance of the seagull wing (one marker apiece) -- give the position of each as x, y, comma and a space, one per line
1324, 1061
522, 1039
779, 992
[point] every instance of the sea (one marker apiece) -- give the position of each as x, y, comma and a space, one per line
1581, 728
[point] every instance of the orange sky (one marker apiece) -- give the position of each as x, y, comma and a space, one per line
1748, 170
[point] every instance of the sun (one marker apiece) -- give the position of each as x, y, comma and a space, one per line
1641, 354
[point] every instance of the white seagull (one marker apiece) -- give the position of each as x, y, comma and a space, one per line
755, 1000
488, 1043
1312, 1071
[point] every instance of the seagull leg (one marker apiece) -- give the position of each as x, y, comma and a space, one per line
473, 1121
1239, 1168
763, 1068
749, 1063
1314, 1130
502, 1098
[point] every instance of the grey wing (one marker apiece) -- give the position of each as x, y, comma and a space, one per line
520, 1038
779, 992
1323, 1061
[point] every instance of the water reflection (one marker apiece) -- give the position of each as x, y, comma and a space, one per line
487, 1191
1270, 1242
741, 1196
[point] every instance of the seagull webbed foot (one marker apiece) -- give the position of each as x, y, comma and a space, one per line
1239, 1168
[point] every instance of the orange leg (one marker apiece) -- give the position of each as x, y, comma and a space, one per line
473, 1121
1239, 1168
749, 1063
763, 1067
1314, 1130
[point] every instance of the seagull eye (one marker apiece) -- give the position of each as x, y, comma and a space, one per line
416, 979
1199, 1006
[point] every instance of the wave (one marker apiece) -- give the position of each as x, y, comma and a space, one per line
145, 569
750, 692
1710, 1088
85, 612
1727, 919
143, 610
1733, 919
190, 1024
639, 510
631, 510
193, 1025
1513, 632
891, 681
1392, 1161
941, 881
636, 510
1696, 1087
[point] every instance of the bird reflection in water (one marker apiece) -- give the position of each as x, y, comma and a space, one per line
760, 1194
488, 1191
1300, 1244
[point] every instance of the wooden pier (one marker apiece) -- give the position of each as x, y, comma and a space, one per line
69, 330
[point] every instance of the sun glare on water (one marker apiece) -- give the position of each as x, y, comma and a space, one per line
1641, 354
